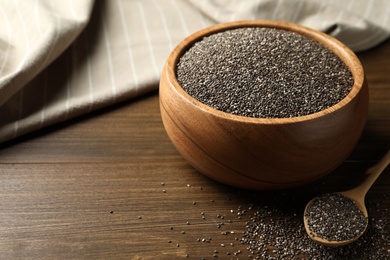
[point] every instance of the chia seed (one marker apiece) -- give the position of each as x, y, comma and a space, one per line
271, 227
335, 217
263, 73
274, 234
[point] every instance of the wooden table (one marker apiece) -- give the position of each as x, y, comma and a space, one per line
110, 185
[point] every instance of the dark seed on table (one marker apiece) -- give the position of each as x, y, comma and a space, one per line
274, 231
271, 233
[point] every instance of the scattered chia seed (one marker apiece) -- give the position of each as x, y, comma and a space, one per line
335, 217
274, 234
263, 73
270, 227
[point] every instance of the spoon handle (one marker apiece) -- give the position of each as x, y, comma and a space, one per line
373, 173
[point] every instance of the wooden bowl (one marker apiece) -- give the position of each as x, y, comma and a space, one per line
262, 153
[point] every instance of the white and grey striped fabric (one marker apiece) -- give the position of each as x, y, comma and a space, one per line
61, 59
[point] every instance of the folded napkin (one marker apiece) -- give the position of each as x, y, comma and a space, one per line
62, 59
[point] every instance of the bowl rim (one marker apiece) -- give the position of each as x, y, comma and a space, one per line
341, 50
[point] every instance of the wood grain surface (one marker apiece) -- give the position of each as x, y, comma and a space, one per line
111, 185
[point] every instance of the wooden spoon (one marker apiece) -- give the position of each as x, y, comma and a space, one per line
356, 194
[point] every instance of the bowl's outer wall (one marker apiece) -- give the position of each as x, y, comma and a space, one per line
261, 156
257, 154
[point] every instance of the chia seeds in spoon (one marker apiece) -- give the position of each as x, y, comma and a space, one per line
335, 217
263, 73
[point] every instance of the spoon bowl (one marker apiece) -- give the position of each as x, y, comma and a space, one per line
336, 243
357, 195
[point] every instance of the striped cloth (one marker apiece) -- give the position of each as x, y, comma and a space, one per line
61, 59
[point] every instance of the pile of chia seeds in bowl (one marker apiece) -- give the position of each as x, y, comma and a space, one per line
263, 73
